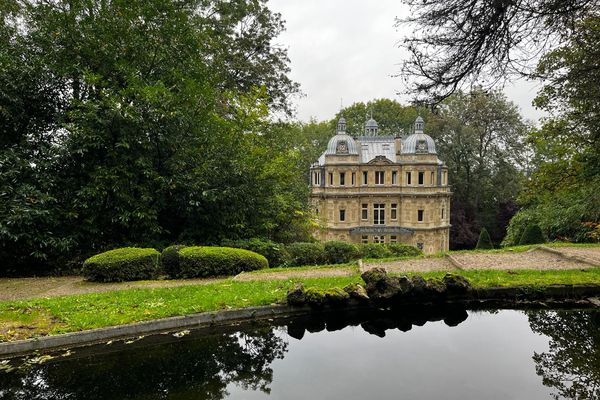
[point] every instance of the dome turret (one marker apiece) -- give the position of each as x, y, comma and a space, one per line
371, 127
342, 143
418, 142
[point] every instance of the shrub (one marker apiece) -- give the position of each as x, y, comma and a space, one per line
375, 250
275, 253
302, 253
169, 259
125, 264
203, 261
532, 235
403, 250
484, 242
337, 252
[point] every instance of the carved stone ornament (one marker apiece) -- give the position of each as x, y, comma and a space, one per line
421, 146
342, 147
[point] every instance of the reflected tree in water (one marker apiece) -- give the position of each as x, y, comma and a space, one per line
572, 364
191, 368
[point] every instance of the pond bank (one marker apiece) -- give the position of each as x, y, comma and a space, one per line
454, 295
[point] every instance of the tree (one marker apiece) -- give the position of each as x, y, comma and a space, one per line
570, 366
469, 40
480, 135
392, 117
484, 242
141, 122
560, 194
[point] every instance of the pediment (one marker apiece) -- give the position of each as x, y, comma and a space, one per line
380, 160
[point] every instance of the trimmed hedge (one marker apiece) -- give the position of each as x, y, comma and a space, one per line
375, 250
204, 261
484, 242
169, 259
275, 253
381, 250
532, 235
124, 264
403, 250
306, 253
338, 252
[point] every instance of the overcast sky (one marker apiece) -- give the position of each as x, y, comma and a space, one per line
349, 49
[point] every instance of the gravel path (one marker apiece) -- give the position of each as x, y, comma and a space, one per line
313, 273
419, 264
535, 259
591, 253
24, 288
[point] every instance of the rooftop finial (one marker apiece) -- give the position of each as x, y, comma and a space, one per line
341, 127
419, 124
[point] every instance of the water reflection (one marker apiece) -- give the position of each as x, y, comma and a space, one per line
185, 369
201, 366
572, 364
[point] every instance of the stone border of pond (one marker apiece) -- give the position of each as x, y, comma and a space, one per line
380, 291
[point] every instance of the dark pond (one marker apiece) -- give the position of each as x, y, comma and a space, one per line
425, 354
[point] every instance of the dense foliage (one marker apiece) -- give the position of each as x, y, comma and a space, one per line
337, 252
561, 195
481, 137
125, 264
169, 259
306, 253
204, 261
142, 123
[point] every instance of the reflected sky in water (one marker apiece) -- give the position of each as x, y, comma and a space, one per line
489, 356
413, 354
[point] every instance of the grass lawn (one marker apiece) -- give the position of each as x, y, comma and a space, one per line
48, 316
35, 317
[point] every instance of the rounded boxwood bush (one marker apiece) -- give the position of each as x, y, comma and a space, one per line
532, 235
306, 253
125, 264
338, 252
204, 261
403, 250
169, 259
375, 250
275, 253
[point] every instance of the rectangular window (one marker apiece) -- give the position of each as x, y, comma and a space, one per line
331, 179
379, 239
365, 177
394, 212
408, 178
379, 177
420, 215
421, 177
364, 212
393, 239
342, 178
353, 179
342, 215
432, 179
365, 239
379, 214
394, 178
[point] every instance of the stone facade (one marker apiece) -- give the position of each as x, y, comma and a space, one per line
382, 189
